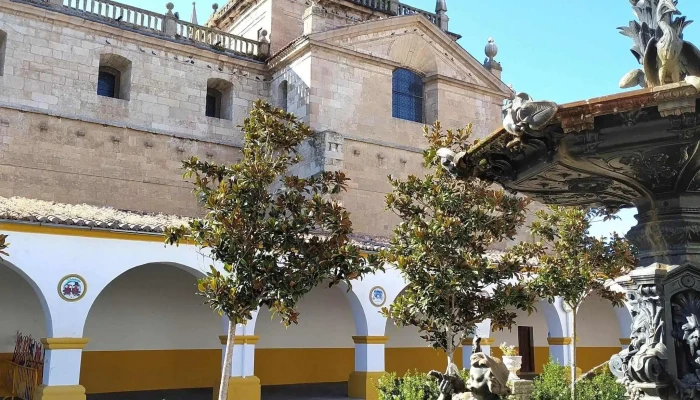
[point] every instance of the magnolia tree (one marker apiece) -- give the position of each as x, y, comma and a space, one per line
277, 236
3, 246
573, 264
440, 248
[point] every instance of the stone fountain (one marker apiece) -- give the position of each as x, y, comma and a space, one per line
632, 149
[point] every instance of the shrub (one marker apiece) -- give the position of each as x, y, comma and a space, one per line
412, 386
602, 386
553, 383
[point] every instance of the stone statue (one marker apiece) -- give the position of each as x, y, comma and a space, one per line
524, 115
686, 336
659, 46
476, 345
488, 380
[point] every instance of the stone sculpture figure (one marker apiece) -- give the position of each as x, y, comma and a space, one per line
476, 345
659, 46
686, 336
524, 115
643, 366
488, 380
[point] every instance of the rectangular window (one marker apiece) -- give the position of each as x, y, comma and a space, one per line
107, 84
3, 48
211, 106
407, 101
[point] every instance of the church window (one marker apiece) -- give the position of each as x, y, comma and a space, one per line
3, 47
283, 95
407, 101
219, 100
114, 77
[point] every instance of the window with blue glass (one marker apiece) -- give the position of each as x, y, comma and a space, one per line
407, 102
107, 83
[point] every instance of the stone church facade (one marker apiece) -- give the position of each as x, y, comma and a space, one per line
100, 102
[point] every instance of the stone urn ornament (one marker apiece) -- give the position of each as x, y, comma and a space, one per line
512, 361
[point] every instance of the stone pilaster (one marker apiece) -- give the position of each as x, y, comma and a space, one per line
62, 369
369, 366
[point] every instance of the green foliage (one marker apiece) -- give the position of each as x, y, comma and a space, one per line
572, 263
277, 235
602, 386
553, 383
412, 386
446, 226
3, 246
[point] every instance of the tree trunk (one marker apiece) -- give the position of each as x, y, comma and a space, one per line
228, 359
573, 354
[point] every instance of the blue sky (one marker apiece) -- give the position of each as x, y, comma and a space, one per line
561, 50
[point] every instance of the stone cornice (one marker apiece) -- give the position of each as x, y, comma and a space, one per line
143, 39
432, 30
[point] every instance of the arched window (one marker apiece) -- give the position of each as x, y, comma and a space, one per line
3, 47
219, 101
114, 77
407, 101
283, 95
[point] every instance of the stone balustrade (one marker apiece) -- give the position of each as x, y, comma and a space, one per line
165, 24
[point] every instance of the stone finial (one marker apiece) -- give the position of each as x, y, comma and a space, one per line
441, 11
170, 7
194, 14
215, 7
491, 50
264, 43
440, 6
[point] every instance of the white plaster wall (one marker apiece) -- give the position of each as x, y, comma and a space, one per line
536, 320
597, 324
20, 310
325, 321
152, 307
406, 336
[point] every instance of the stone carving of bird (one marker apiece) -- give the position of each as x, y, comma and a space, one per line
659, 45
522, 114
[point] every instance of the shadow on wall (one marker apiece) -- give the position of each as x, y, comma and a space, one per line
182, 394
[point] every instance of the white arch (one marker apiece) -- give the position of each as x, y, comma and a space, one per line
37, 290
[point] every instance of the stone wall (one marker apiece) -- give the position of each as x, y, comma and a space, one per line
354, 98
51, 64
71, 161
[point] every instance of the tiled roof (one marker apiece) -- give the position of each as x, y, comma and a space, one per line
22, 209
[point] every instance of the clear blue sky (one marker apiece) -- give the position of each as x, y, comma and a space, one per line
559, 50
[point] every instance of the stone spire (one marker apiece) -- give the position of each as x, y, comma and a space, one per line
441, 11
194, 13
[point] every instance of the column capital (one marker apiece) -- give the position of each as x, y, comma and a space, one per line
370, 339
64, 343
484, 341
245, 339
559, 341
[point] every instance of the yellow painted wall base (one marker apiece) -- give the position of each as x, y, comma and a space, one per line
588, 358
361, 385
247, 388
541, 357
137, 370
43, 392
296, 366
